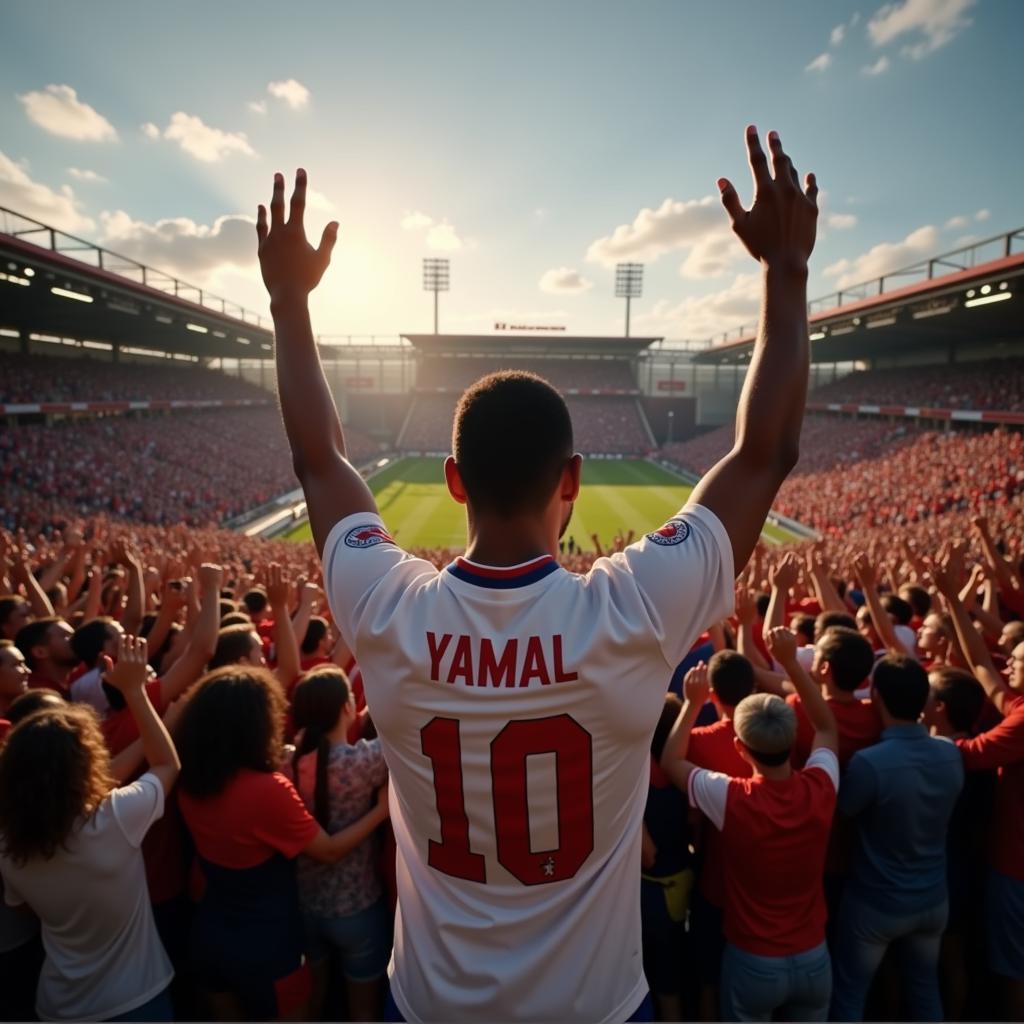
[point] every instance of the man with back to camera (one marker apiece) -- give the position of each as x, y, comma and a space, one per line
515, 701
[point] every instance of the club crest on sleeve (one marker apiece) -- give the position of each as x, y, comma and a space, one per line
367, 536
675, 531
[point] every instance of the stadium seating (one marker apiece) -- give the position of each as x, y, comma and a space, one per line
994, 384
566, 374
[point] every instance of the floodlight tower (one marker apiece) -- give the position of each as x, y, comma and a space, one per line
629, 284
435, 279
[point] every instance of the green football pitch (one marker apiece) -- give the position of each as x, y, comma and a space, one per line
617, 496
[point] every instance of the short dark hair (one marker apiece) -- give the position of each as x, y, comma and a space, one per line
902, 611
902, 685
315, 632
731, 676
962, 695
233, 720
804, 625
233, 644
32, 701
255, 600
89, 639
32, 635
669, 713
9, 604
826, 620
918, 598
235, 619
761, 602
227, 606
848, 654
511, 439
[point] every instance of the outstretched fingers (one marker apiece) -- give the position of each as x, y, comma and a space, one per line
298, 205
811, 189
758, 161
730, 200
328, 239
261, 224
277, 202
782, 166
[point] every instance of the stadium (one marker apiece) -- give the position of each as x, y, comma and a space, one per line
539, 666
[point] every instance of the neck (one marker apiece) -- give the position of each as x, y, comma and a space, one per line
776, 772
52, 673
503, 542
339, 734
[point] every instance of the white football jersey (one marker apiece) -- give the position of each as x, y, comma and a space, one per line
516, 707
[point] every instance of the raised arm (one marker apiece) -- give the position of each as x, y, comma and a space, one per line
782, 644
946, 578
782, 577
289, 660
292, 268
203, 642
673, 755
778, 231
868, 581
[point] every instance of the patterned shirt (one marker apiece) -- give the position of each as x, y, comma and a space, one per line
354, 774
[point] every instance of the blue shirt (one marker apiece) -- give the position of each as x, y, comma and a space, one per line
902, 792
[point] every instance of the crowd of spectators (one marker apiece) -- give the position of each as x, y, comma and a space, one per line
196, 467
602, 424
992, 384
218, 607
39, 378
453, 374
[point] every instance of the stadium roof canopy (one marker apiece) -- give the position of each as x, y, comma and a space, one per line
527, 345
972, 295
52, 283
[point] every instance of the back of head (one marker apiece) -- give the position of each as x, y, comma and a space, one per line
511, 439
731, 676
315, 633
32, 701
89, 639
961, 694
255, 601
317, 706
234, 644
54, 768
235, 619
766, 725
669, 713
849, 656
902, 686
803, 626
826, 620
901, 611
233, 720
918, 598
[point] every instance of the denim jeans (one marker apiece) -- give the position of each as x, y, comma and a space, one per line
865, 933
793, 987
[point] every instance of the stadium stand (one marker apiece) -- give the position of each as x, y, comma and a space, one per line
568, 375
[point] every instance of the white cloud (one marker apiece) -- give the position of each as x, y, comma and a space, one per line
82, 174
955, 223
295, 94
414, 220
257, 106
33, 199
932, 23
58, 110
705, 316
318, 202
982, 215
878, 68
885, 257
673, 225
150, 130
712, 255
562, 280
841, 221
194, 252
820, 63
210, 145
443, 237
837, 35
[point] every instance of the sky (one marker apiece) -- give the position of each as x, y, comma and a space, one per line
534, 143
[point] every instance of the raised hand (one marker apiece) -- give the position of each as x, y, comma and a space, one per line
746, 607
865, 572
131, 669
779, 229
210, 578
782, 645
278, 586
291, 267
784, 575
696, 686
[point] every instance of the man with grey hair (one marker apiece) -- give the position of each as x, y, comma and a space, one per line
775, 830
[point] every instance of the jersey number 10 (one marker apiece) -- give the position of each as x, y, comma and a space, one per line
560, 735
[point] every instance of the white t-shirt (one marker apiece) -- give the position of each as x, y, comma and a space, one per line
103, 954
515, 707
